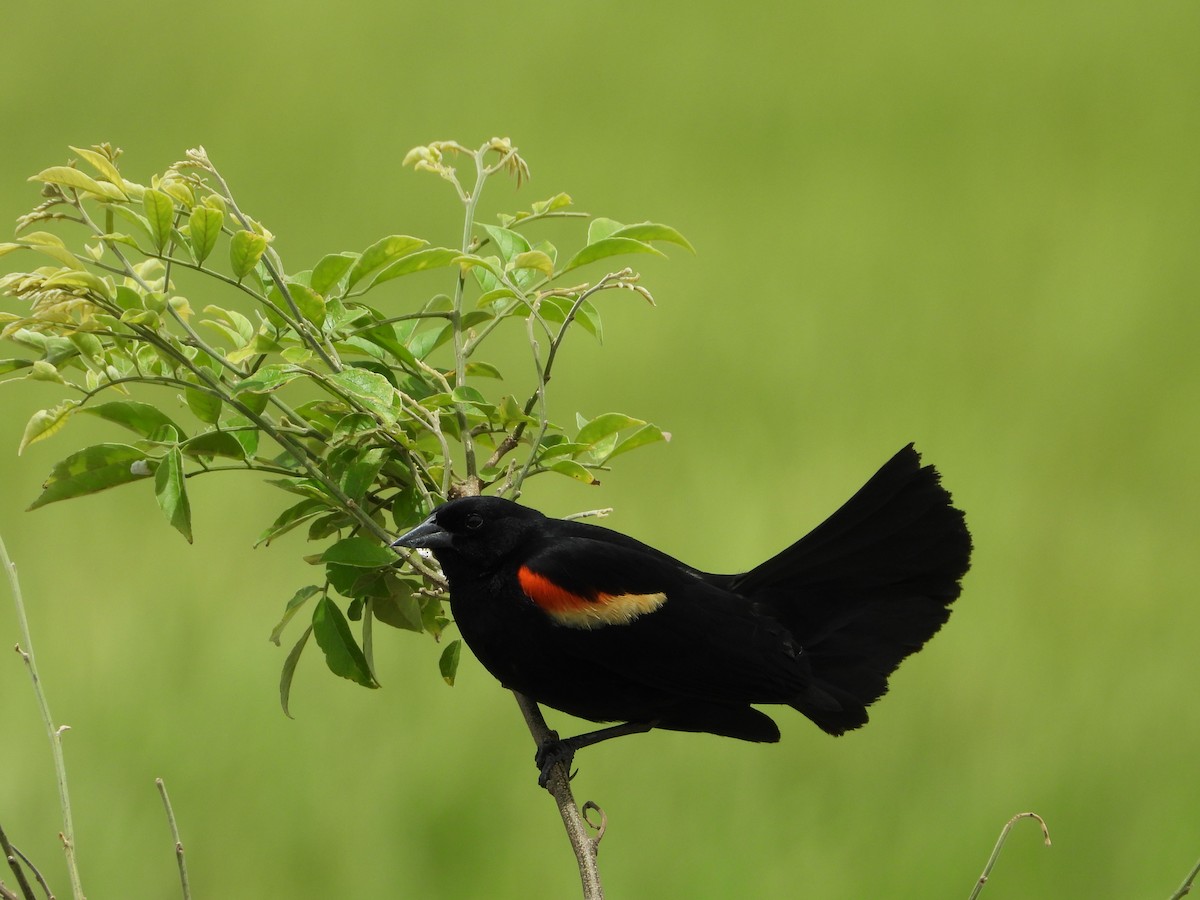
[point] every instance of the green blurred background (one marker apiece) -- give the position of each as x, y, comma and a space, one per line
969, 225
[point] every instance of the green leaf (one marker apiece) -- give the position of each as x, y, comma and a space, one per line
487, 270
653, 231
536, 260
368, 630
381, 253
160, 216
244, 431
101, 164
647, 434
66, 176
448, 663
89, 346
600, 228
361, 473
509, 244
385, 337
233, 325
589, 318
574, 470
360, 552
470, 396
293, 606
559, 448
309, 302
370, 389
495, 296
342, 654
204, 227
425, 342
329, 271
178, 190
483, 370
245, 250
46, 422
269, 378
92, 469
602, 426
139, 417
214, 443
400, 608
541, 208
204, 406
355, 582
512, 412
140, 224
44, 371
558, 201
51, 245
85, 280
613, 246
289, 670
12, 365
432, 258
290, 518
171, 492
432, 617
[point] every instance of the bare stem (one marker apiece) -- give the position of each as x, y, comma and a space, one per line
14, 863
987, 870
55, 734
1186, 888
38, 876
471, 202
626, 278
559, 785
183, 875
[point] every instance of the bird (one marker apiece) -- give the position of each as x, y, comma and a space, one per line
594, 623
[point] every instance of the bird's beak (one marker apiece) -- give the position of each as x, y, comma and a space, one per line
429, 535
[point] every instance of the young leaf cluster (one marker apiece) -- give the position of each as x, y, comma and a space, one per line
360, 395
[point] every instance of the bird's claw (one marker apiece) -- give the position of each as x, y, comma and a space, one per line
551, 752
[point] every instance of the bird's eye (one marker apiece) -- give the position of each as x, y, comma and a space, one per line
473, 521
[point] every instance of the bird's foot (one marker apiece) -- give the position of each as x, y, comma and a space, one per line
552, 751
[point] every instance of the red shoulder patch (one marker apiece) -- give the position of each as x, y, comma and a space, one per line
577, 611
548, 595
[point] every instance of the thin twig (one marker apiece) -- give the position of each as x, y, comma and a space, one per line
590, 514
601, 827
55, 734
625, 278
183, 875
471, 202
36, 873
14, 863
558, 783
1186, 888
987, 870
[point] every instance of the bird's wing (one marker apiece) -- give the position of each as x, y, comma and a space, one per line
649, 619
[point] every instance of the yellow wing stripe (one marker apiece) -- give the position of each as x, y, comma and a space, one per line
576, 611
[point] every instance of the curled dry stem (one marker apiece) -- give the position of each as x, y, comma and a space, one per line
987, 869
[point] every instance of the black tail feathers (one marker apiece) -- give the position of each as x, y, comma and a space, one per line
867, 587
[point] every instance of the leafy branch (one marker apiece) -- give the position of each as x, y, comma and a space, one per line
349, 385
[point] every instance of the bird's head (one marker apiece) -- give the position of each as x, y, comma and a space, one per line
474, 531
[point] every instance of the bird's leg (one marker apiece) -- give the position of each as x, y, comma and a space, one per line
557, 749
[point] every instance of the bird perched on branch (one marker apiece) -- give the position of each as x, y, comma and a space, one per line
599, 625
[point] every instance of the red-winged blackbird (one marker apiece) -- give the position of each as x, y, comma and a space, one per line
591, 622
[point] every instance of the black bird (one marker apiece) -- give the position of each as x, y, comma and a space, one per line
599, 625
